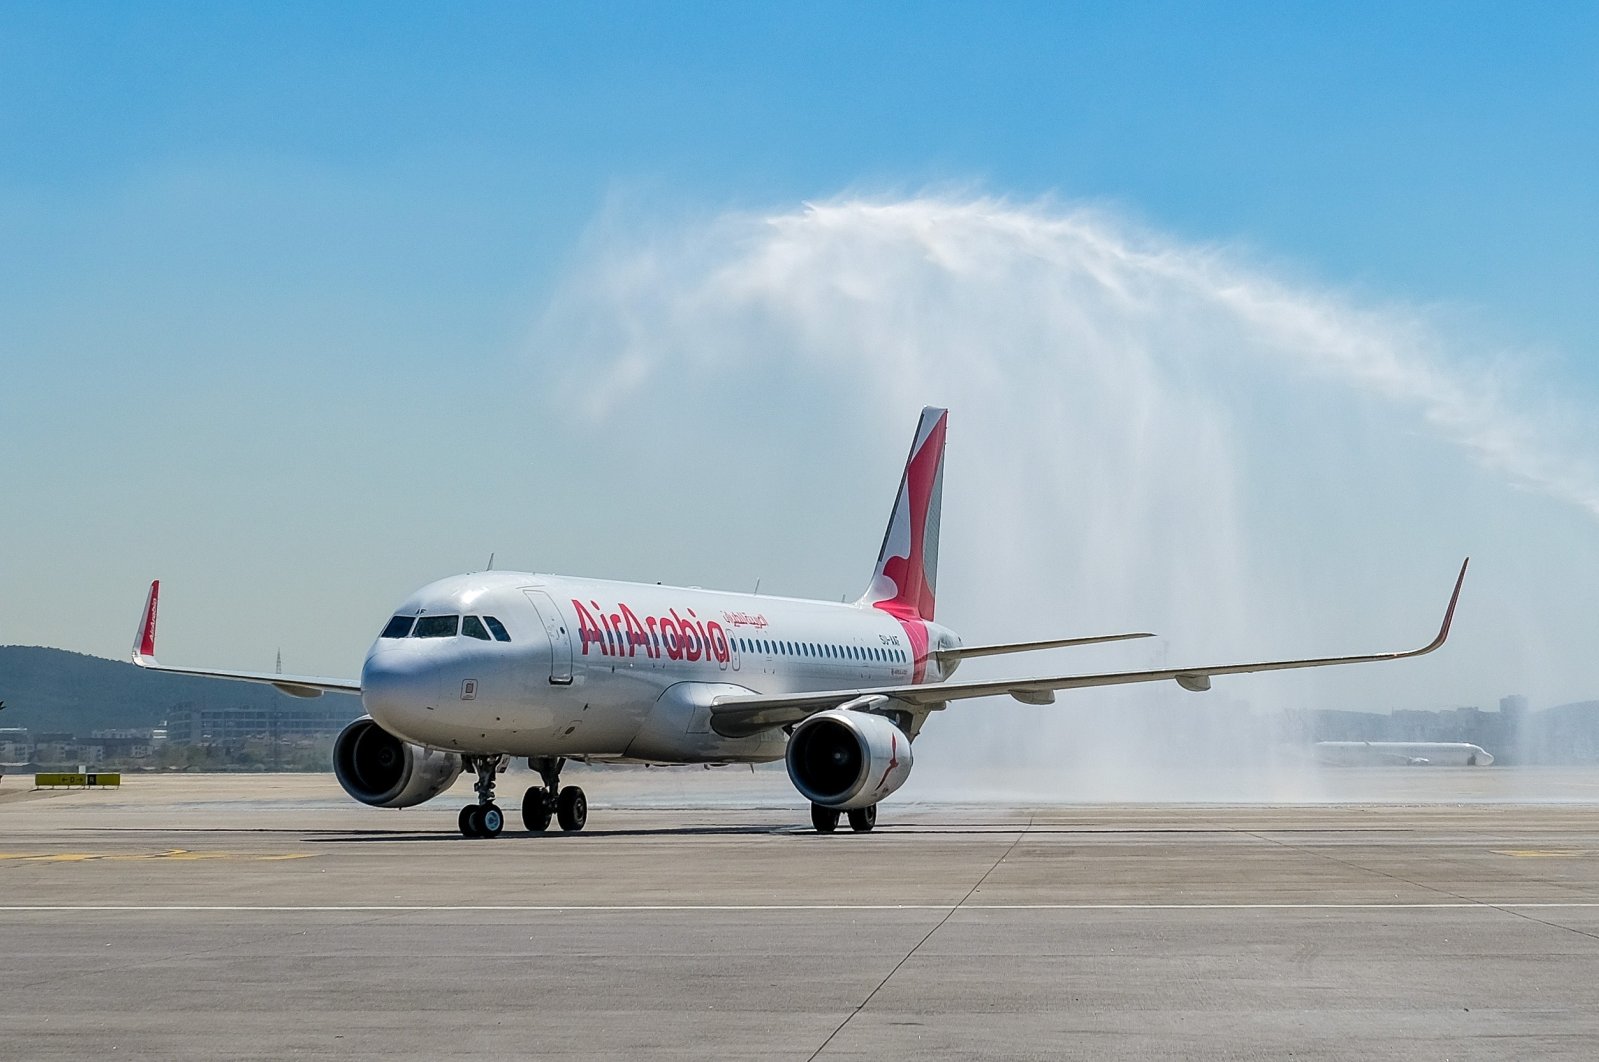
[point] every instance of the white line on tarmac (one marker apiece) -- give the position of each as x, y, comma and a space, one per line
756, 907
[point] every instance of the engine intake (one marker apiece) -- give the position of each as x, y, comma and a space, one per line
379, 769
846, 759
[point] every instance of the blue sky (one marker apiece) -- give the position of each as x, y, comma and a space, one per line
249, 253
1446, 150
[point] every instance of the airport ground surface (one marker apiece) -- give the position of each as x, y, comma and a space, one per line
266, 917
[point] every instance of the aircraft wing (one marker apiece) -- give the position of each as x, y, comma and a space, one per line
744, 714
294, 685
966, 652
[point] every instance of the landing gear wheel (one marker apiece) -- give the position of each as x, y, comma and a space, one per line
483, 819
824, 819
536, 809
572, 809
861, 820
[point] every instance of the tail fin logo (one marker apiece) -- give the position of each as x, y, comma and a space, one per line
904, 582
145, 645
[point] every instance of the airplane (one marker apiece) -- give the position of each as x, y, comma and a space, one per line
475, 669
1402, 753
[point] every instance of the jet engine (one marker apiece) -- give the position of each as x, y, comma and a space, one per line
846, 759
377, 768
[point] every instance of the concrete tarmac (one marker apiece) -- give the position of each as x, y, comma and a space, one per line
268, 917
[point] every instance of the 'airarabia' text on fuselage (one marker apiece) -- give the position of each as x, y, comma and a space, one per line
677, 637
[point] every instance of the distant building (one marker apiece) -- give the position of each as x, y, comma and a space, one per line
123, 746
189, 724
16, 745
52, 747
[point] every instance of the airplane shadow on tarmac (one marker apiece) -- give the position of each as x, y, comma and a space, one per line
922, 829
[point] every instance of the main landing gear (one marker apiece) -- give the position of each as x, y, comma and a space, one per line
485, 819
569, 805
861, 820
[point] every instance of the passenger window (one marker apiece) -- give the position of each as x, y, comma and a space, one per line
473, 627
436, 627
398, 627
500, 633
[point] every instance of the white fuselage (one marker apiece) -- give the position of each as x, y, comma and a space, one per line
588, 665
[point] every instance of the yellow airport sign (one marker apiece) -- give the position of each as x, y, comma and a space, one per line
95, 779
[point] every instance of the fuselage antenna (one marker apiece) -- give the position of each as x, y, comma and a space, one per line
490, 568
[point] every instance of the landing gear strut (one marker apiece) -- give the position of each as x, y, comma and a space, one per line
569, 806
483, 819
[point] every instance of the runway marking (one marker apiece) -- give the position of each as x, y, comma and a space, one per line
778, 907
1542, 853
177, 854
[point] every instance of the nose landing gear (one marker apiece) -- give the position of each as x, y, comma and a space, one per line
483, 819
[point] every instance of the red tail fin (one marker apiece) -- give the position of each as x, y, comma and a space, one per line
144, 641
907, 565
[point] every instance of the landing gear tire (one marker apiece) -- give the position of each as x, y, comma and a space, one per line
483, 819
536, 809
572, 809
861, 820
824, 819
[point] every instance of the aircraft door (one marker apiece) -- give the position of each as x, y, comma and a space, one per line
560, 641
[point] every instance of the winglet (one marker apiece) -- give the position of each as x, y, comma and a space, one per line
144, 639
1449, 613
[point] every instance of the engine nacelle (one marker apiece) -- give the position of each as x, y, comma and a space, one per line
377, 768
846, 759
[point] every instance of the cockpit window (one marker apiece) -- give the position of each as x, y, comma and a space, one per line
398, 627
472, 627
436, 627
498, 628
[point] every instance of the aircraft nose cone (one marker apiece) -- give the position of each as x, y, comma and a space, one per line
398, 685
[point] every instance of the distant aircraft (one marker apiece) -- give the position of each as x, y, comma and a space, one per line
1402, 753
474, 669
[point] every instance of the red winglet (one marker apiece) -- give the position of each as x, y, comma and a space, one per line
145, 647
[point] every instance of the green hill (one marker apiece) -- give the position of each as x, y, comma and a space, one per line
49, 690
